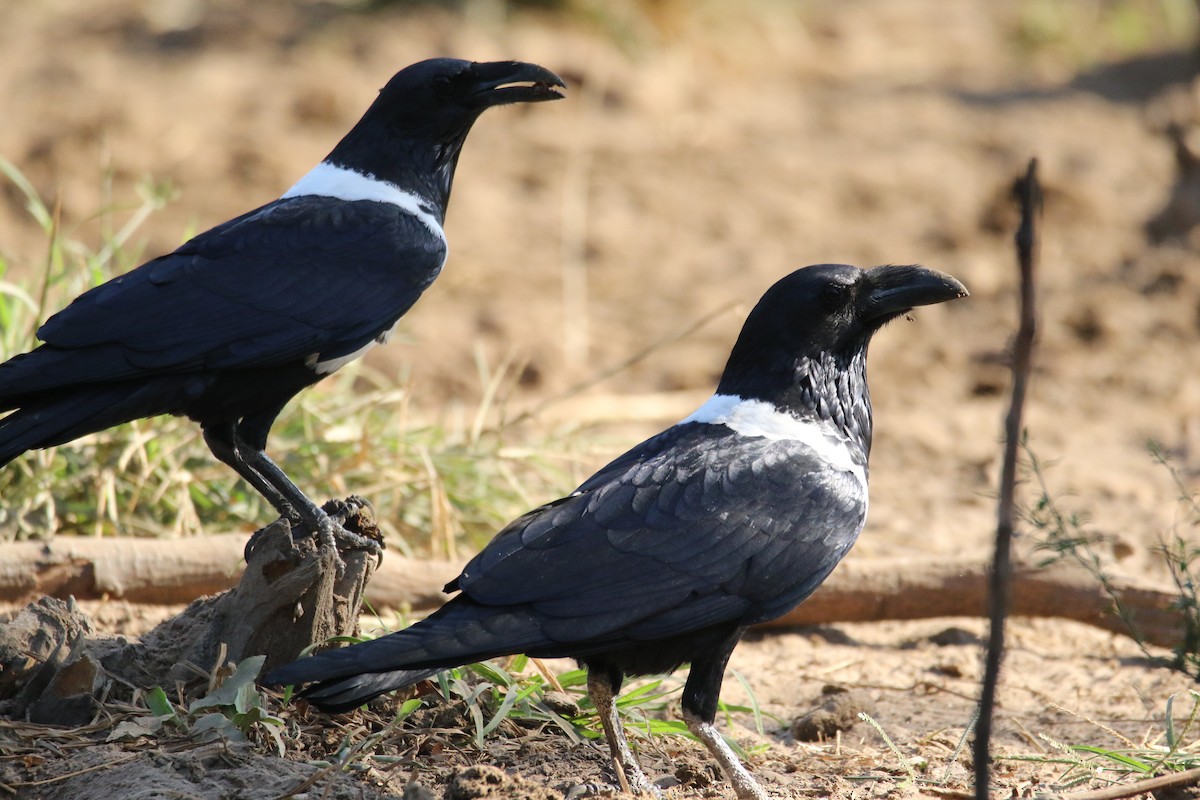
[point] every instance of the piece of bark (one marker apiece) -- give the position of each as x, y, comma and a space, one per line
294, 593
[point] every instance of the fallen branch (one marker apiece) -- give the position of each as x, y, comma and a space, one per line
1150, 786
180, 570
912, 588
173, 571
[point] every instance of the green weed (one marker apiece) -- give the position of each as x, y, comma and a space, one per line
1085, 34
1065, 535
232, 711
1173, 749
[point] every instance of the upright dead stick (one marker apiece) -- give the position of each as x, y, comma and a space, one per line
1029, 196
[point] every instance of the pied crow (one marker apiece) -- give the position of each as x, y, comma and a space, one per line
229, 327
666, 555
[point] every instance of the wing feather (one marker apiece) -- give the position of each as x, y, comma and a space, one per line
686, 530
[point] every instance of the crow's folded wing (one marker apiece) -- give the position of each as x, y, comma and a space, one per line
303, 277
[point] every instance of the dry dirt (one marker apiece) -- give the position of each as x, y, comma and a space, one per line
704, 151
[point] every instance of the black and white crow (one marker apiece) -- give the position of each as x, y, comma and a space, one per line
229, 327
666, 555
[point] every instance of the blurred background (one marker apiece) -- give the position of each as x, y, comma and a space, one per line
705, 150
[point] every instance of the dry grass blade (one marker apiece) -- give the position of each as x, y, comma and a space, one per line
625, 363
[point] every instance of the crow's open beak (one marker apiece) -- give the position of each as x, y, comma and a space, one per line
503, 82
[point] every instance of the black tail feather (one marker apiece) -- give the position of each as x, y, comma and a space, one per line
461, 632
70, 413
346, 694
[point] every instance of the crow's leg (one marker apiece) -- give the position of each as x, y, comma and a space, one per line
250, 440
701, 694
222, 441
744, 784
327, 529
603, 685
257, 469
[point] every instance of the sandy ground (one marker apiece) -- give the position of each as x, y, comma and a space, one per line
706, 150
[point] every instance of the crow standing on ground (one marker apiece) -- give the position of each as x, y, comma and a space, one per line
226, 329
667, 555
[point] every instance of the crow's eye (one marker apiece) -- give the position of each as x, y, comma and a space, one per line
443, 85
834, 295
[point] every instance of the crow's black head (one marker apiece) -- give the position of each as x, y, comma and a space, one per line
441, 97
803, 347
412, 134
835, 308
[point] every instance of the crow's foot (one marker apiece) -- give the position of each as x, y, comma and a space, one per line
342, 525
348, 518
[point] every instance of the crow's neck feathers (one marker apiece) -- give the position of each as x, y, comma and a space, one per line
827, 391
834, 388
803, 349
761, 418
422, 162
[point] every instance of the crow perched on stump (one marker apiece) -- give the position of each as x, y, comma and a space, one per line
668, 554
229, 327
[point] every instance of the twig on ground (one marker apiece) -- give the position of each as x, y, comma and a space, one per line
1175, 780
1029, 196
76, 773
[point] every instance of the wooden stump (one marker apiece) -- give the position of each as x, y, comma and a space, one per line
54, 667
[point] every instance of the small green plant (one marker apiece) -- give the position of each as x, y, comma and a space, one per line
518, 695
1182, 557
161, 717
1065, 536
504, 694
231, 711
236, 707
1176, 748
1084, 34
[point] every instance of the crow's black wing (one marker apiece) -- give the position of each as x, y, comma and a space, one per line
302, 277
689, 529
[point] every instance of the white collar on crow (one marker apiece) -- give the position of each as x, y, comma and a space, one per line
330, 180
760, 418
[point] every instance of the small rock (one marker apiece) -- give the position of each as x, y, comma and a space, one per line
952, 636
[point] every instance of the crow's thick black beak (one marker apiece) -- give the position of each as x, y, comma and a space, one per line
495, 79
892, 291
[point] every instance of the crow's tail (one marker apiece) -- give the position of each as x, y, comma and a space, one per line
461, 632
53, 418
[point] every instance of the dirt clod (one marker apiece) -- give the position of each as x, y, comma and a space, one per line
483, 782
838, 712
